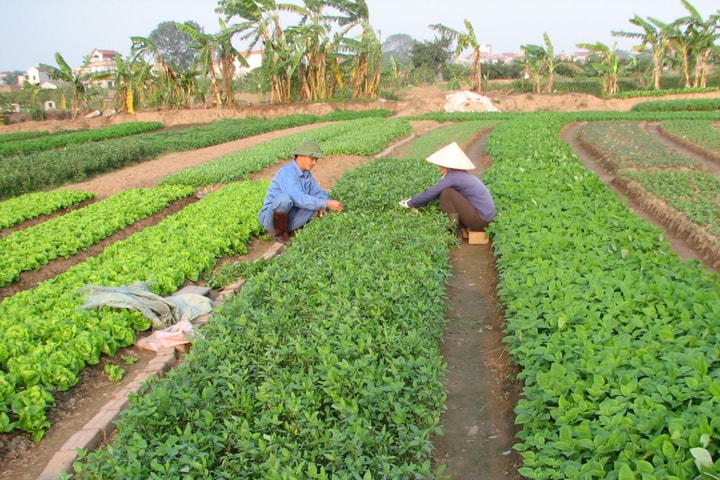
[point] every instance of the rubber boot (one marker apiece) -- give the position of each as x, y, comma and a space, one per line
280, 224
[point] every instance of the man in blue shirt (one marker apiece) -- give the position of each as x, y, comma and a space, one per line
294, 197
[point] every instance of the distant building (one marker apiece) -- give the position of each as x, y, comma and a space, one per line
465, 58
37, 76
100, 61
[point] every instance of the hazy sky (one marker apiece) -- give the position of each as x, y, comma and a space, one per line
33, 30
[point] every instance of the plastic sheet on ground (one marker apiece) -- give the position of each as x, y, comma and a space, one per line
163, 312
174, 335
466, 101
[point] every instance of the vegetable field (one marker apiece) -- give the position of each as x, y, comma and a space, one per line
327, 363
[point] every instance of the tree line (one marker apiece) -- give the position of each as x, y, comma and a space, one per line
330, 50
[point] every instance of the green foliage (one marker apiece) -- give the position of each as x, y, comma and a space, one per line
228, 273
326, 368
699, 134
29, 173
365, 136
626, 144
66, 235
679, 105
572, 319
46, 339
115, 373
32, 205
63, 139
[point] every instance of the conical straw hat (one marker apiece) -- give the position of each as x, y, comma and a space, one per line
451, 156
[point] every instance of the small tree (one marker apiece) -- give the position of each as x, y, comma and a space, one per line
430, 57
465, 40
653, 39
608, 65
77, 81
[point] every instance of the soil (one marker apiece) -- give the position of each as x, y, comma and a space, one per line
478, 427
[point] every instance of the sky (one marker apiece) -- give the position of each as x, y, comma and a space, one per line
34, 30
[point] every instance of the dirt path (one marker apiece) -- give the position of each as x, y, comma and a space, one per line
479, 424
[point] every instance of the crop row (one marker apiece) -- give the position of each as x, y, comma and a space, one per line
690, 193
63, 139
128, 262
21, 174
699, 135
45, 340
66, 235
628, 145
325, 365
355, 137
653, 175
615, 335
31, 205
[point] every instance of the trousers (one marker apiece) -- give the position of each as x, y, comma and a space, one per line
451, 201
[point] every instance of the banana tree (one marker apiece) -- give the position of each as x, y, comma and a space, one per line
465, 40
701, 36
534, 62
227, 55
169, 89
260, 25
365, 49
608, 65
205, 44
64, 73
654, 39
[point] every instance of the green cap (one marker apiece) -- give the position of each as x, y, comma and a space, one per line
309, 148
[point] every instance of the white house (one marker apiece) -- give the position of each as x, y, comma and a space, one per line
36, 76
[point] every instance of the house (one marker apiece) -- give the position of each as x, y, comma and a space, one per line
100, 61
36, 76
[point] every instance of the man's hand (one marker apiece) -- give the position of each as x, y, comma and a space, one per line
335, 206
404, 203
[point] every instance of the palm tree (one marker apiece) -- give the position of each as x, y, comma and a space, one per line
464, 41
64, 73
652, 38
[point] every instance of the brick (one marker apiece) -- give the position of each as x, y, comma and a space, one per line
59, 463
104, 421
120, 402
87, 439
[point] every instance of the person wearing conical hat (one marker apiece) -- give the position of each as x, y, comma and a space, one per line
463, 196
294, 196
